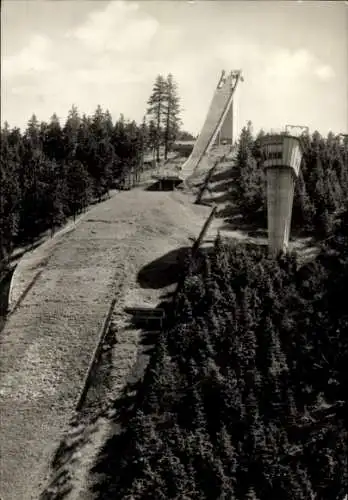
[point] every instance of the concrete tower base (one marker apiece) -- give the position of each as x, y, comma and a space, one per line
280, 195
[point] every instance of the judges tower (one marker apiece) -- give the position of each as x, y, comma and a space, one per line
282, 155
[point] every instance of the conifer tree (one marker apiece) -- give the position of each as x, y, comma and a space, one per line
101, 152
249, 178
174, 474
78, 185
171, 112
144, 140
9, 197
52, 198
53, 145
156, 108
152, 137
70, 132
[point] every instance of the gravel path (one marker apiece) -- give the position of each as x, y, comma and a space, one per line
47, 342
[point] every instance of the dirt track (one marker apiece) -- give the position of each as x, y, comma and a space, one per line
47, 342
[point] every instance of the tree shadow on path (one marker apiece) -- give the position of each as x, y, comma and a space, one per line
164, 271
110, 458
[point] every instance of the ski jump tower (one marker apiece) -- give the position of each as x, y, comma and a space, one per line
282, 155
218, 126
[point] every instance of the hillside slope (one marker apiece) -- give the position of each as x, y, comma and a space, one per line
47, 342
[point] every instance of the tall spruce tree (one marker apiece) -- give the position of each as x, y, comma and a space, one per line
249, 179
70, 132
53, 140
171, 119
9, 196
156, 107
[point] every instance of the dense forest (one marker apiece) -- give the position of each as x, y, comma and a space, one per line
321, 190
245, 396
51, 172
245, 393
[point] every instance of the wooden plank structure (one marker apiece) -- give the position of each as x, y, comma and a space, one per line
146, 315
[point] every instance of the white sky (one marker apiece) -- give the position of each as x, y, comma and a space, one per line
294, 57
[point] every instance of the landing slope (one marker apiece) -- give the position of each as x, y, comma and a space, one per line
47, 342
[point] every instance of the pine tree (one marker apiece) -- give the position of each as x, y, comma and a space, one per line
173, 473
146, 442
52, 198
70, 133
152, 138
9, 197
144, 139
156, 107
78, 185
32, 135
227, 452
33, 160
171, 119
249, 178
303, 210
101, 152
53, 145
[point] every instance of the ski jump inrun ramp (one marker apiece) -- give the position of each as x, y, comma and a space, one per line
218, 124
